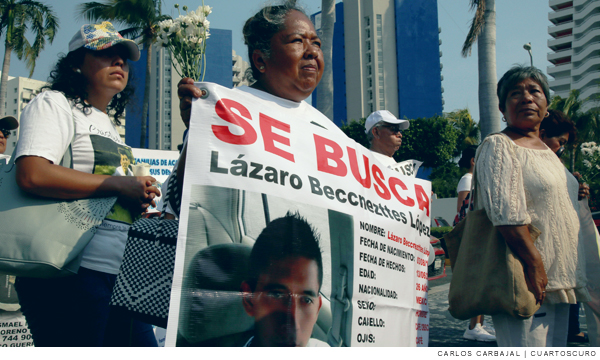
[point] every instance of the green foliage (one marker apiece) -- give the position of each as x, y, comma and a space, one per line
469, 132
445, 178
431, 140
439, 232
355, 129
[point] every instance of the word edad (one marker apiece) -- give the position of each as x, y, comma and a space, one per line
369, 321
369, 274
365, 338
157, 162
328, 152
377, 291
355, 200
372, 229
366, 305
240, 167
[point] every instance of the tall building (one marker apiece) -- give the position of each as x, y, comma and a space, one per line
385, 56
19, 92
165, 128
239, 70
575, 46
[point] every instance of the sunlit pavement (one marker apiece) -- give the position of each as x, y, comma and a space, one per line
446, 331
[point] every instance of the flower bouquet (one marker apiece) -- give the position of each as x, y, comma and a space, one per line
185, 37
591, 160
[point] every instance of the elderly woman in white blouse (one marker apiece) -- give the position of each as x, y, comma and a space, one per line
522, 182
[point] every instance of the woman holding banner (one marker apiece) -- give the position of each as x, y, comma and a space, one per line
84, 86
286, 63
521, 181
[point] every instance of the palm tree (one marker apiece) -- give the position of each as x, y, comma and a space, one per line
469, 130
17, 18
325, 92
483, 29
587, 124
142, 17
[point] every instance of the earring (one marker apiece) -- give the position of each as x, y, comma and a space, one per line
503, 118
261, 68
77, 70
547, 114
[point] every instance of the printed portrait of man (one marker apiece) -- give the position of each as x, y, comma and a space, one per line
281, 290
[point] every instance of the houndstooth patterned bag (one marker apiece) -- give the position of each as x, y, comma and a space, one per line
143, 286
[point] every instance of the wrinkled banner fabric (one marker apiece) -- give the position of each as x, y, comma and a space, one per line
250, 160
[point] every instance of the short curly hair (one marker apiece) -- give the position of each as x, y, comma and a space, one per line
260, 29
73, 84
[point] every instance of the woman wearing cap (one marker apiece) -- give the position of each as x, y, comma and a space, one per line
86, 84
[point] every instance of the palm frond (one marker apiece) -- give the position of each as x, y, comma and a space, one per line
477, 25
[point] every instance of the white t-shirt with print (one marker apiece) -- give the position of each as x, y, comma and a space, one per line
46, 131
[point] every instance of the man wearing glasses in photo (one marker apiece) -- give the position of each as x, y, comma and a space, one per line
7, 124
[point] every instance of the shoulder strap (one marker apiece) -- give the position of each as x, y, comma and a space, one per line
67, 160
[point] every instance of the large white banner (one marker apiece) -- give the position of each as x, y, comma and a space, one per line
250, 160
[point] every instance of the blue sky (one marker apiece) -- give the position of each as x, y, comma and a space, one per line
517, 22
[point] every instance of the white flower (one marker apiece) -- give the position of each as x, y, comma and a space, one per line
587, 163
206, 23
207, 10
587, 152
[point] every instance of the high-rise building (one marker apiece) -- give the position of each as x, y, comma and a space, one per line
575, 46
19, 92
239, 70
385, 56
165, 128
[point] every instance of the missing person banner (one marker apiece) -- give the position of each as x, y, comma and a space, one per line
292, 233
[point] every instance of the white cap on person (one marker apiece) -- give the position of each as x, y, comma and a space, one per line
384, 115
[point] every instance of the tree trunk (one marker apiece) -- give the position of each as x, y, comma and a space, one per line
4, 79
143, 145
325, 92
489, 115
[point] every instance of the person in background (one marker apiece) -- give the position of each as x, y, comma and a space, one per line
556, 131
7, 124
384, 133
86, 85
520, 181
476, 330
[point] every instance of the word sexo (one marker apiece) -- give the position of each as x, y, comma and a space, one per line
328, 153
